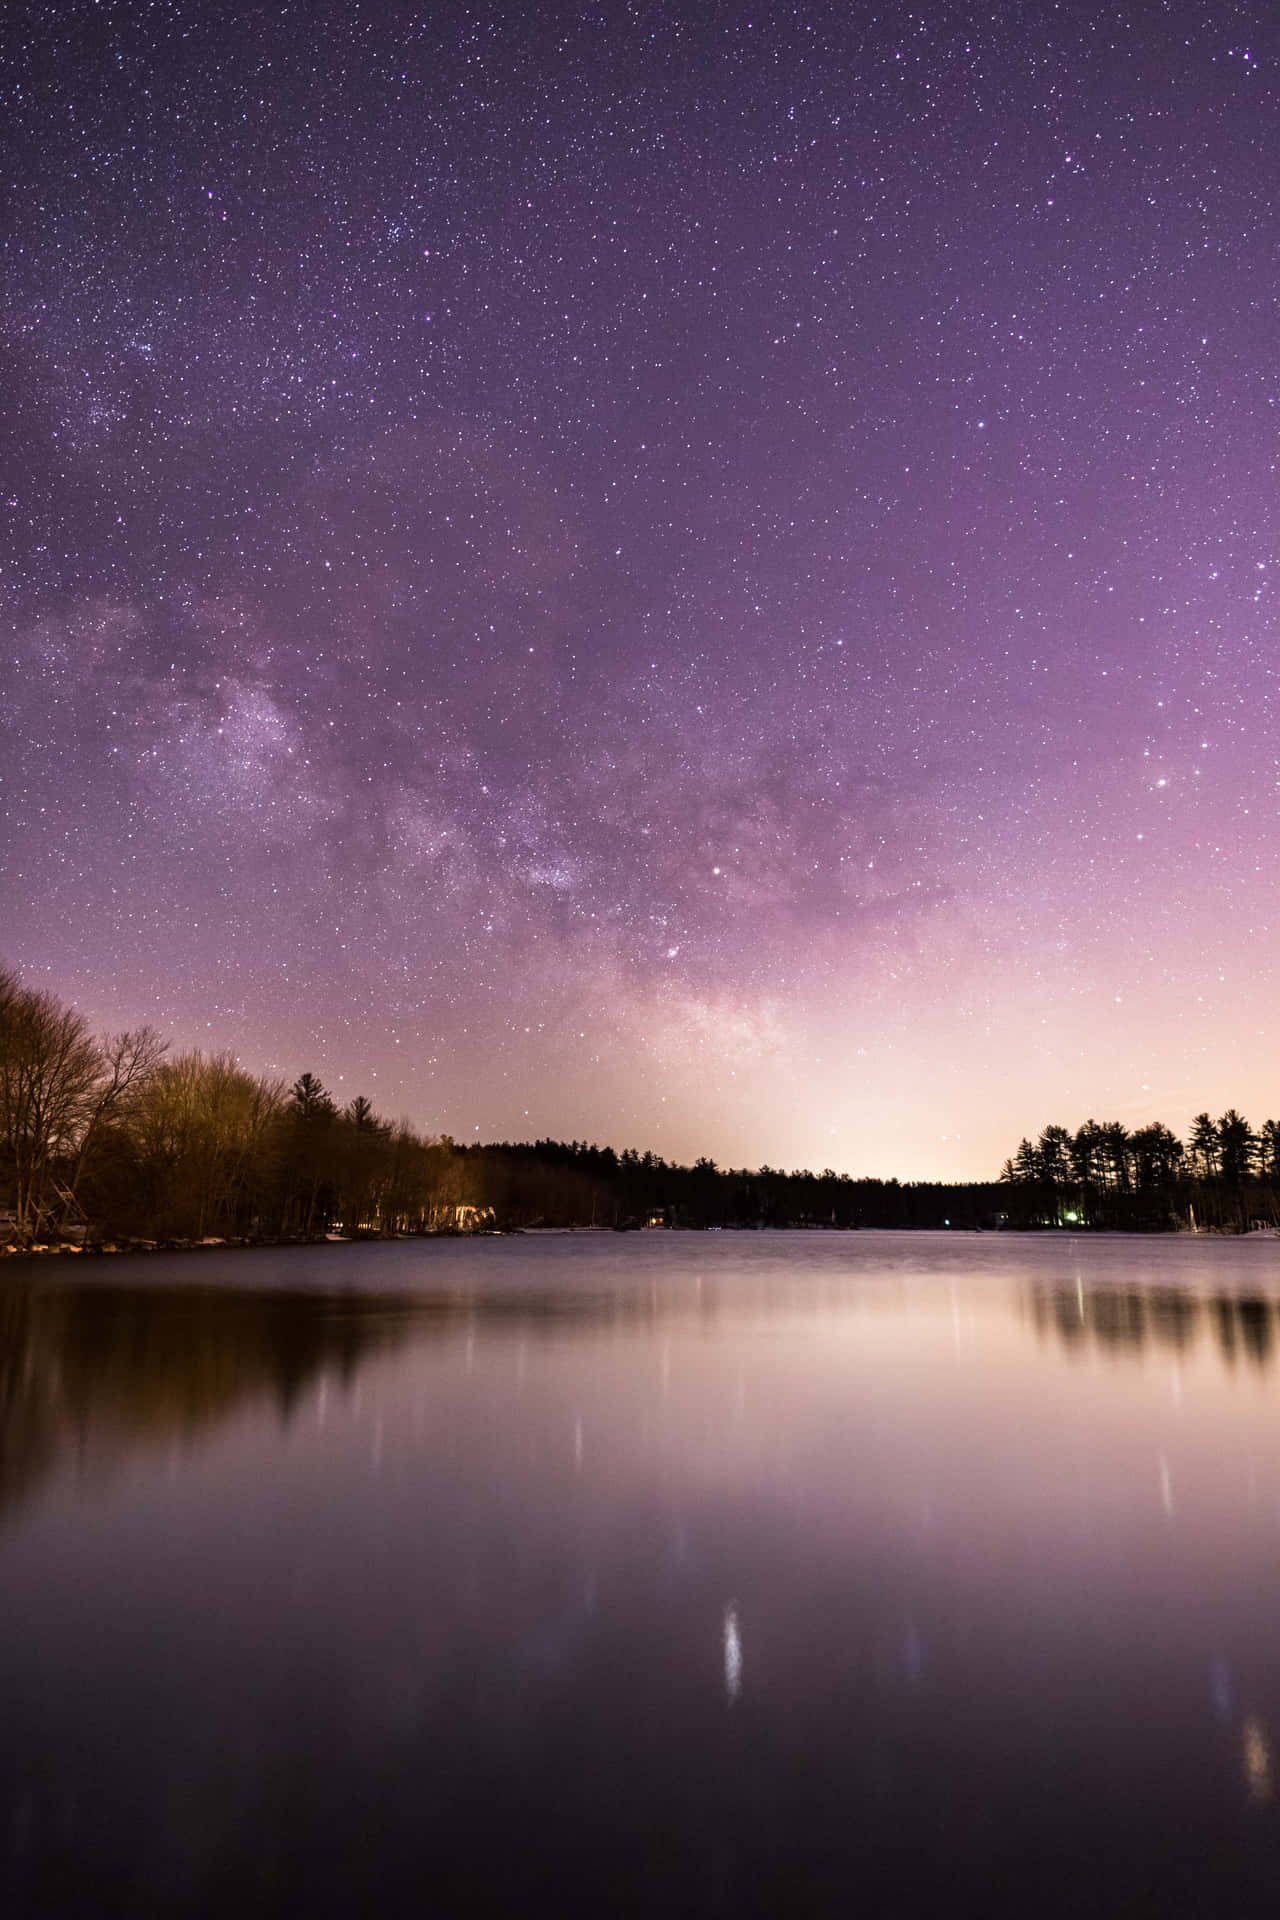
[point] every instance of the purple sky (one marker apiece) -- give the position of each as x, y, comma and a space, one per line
701, 577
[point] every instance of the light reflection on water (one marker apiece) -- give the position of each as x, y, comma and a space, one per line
732, 1655
723, 1574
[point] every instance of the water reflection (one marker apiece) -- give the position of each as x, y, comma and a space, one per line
96, 1369
93, 1369
1257, 1759
732, 1655
1127, 1321
804, 1576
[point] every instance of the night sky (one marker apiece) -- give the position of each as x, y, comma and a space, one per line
701, 577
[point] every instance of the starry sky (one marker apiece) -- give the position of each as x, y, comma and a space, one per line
697, 576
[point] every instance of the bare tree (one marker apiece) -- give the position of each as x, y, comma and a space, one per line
129, 1062
51, 1074
204, 1129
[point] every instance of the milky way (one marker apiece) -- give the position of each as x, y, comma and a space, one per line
701, 577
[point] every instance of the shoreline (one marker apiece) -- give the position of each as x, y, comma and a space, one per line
149, 1249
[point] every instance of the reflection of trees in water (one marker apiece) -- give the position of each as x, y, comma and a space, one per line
95, 1368
1254, 1319
99, 1368
1127, 1320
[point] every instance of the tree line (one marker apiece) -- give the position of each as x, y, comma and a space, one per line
111, 1139
119, 1140
1225, 1177
572, 1183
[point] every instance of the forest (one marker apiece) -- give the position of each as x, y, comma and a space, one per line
118, 1141
1225, 1179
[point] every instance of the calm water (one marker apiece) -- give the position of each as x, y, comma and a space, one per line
657, 1574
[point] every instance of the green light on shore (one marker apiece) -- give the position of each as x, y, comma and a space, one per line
1071, 1216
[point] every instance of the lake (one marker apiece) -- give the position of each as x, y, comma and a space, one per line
776, 1574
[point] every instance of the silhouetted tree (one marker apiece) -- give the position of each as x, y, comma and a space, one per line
1115, 1155
361, 1115
310, 1098
1026, 1163
1203, 1145
1155, 1153
1086, 1152
1055, 1156
1237, 1148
